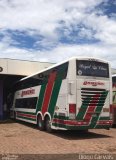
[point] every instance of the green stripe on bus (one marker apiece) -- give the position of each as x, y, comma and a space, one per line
98, 109
59, 125
30, 113
41, 97
26, 118
83, 109
61, 117
77, 127
55, 92
54, 96
102, 126
104, 118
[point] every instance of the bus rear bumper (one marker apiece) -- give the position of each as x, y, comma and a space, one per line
75, 125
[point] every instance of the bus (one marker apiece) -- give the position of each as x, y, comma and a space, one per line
73, 95
114, 99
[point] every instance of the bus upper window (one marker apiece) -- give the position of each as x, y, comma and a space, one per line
92, 68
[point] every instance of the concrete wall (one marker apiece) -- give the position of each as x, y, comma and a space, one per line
18, 67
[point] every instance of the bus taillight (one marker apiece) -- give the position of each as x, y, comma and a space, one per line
72, 111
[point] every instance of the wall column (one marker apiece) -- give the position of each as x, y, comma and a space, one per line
1, 99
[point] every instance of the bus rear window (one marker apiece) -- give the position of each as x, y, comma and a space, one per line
92, 68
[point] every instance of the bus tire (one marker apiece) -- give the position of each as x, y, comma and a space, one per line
40, 123
48, 124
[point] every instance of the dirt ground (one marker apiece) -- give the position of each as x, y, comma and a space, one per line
23, 138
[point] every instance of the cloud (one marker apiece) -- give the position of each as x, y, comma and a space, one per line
66, 51
105, 28
53, 30
42, 15
62, 52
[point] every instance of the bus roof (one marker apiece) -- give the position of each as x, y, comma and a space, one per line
55, 65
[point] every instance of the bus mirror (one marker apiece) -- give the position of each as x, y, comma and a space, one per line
71, 88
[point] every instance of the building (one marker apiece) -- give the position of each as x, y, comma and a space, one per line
11, 71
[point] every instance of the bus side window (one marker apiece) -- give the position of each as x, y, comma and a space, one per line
29, 103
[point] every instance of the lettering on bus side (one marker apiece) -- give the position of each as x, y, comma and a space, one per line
28, 92
93, 83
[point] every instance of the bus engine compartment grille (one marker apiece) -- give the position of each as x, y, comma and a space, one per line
91, 96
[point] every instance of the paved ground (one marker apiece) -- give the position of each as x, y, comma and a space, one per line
21, 138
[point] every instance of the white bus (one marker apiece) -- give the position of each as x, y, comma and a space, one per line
73, 95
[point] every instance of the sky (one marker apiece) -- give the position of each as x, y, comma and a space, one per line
54, 30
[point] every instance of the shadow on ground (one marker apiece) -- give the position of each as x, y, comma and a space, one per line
71, 134
7, 121
74, 135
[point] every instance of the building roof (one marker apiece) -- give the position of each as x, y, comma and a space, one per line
21, 67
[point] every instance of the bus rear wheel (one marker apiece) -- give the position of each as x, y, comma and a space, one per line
40, 123
48, 125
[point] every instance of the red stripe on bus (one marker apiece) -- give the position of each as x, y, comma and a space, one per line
105, 122
91, 108
69, 122
48, 92
26, 115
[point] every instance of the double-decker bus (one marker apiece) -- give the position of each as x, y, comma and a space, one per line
114, 99
73, 95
